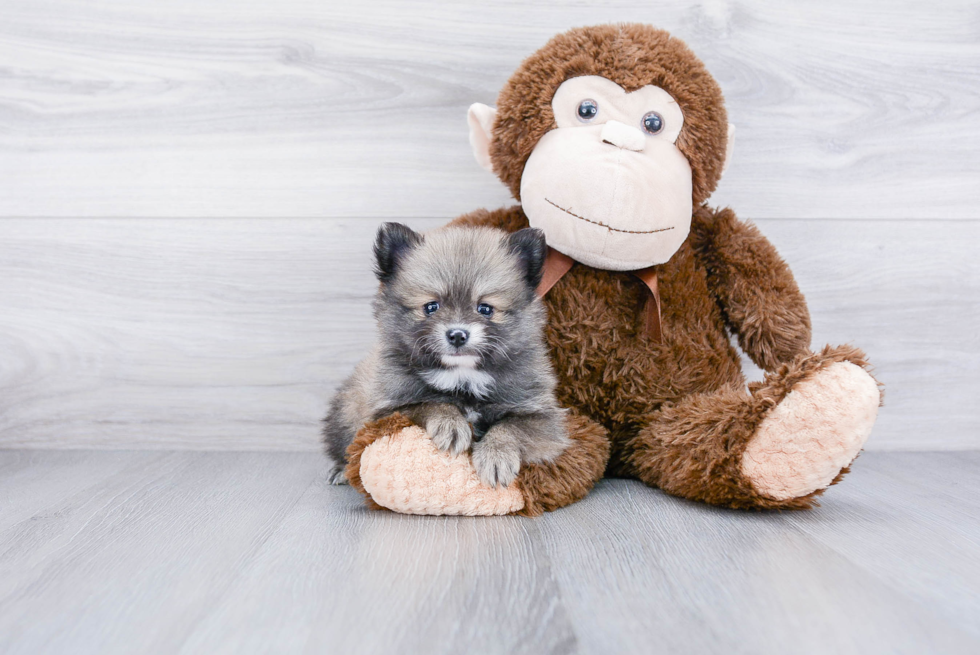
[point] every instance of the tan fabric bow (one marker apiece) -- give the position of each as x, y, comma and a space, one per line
557, 264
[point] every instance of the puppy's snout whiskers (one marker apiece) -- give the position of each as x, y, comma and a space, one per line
497, 345
415, 348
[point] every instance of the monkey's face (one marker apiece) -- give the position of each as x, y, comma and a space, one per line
609, 136
608, 185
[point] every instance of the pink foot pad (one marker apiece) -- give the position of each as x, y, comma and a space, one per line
816, 431
406, 473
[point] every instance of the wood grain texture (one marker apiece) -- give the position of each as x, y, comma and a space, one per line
313, 108
231, 334
140, 557
378, 582
694, 563
206, 334
910, 508
26, 477
240, 553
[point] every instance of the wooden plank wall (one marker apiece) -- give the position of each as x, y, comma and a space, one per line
188, 192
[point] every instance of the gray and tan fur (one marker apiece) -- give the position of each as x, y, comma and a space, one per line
473, 378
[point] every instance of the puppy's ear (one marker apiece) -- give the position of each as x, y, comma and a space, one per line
529, 246
393, 242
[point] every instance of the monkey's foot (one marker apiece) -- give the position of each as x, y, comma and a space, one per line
396, 466
813, 433
405, 472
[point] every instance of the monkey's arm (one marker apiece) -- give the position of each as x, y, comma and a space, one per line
762, 303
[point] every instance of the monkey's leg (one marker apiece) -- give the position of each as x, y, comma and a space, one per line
776, 446
431, 482
567, 479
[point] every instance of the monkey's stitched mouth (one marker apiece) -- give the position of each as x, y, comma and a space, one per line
608, 227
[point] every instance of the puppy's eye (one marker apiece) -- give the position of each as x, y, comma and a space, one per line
430, 308
485, 309
653, 123
587, 110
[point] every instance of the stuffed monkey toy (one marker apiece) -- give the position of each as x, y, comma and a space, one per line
612, 138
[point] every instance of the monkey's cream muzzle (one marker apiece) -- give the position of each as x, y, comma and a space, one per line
608, 196
606, 192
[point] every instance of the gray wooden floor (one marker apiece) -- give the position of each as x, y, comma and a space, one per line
208, 552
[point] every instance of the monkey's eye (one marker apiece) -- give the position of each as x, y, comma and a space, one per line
587, 109
430, 308
653, 123
485, 309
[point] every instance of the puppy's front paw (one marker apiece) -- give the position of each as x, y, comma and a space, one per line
449, 432
337, 475
497, 460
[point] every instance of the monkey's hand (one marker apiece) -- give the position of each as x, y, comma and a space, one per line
497, 457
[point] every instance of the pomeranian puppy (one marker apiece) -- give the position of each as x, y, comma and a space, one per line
461, 350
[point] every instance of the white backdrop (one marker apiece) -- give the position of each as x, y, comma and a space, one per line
188, 191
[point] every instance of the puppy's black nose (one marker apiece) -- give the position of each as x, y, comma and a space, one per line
457, 337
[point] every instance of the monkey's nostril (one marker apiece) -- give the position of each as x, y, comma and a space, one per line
457, 337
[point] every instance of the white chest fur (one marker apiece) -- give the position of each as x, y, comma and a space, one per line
460, 378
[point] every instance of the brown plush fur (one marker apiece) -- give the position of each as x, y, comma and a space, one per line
631, 55
703, 436
547, 487
677, 413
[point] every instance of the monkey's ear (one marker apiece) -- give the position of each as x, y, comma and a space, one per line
529, 246
393, 242
480, 119
729, 149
